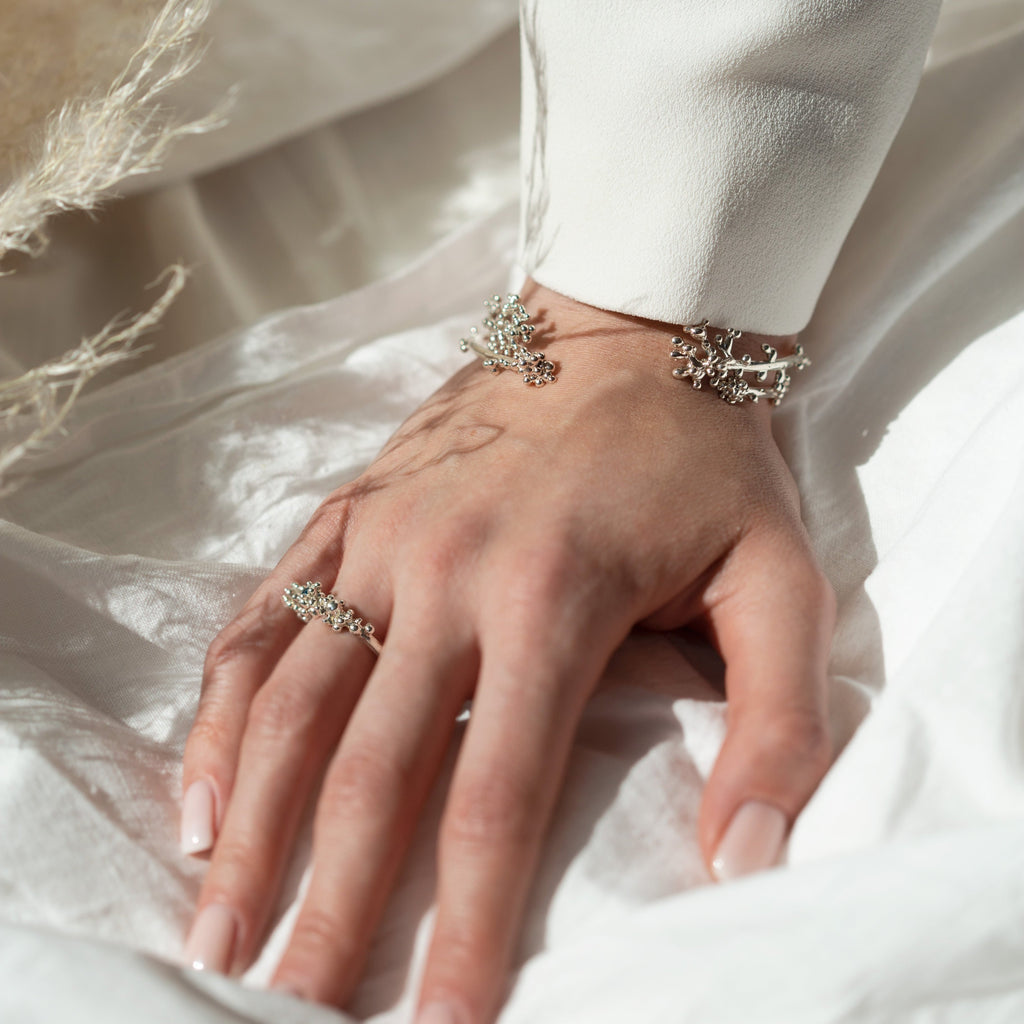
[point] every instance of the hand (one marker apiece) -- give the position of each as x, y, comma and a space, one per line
504, 543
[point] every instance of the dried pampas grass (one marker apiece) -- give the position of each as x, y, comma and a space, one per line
92, 144
48, 391
87, 148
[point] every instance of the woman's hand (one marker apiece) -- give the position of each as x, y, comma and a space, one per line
504, 543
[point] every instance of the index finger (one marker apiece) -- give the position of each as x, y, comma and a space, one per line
239, 660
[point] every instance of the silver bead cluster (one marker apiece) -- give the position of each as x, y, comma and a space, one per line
508, 336
308, 601
715, 364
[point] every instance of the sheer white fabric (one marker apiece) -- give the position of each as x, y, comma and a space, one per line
298, 65
177, 488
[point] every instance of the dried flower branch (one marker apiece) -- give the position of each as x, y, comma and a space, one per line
49, 391
88, 147
93, 143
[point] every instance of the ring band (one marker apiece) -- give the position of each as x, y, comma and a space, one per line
308, 601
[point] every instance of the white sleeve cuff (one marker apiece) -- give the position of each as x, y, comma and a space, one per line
684, 159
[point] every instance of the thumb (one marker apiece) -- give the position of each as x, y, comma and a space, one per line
772, 615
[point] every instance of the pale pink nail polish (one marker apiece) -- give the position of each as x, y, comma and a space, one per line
211, 943
437, 1013
198, 812
752, 842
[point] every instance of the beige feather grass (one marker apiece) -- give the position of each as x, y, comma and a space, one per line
48, 392
87, 148
92, 144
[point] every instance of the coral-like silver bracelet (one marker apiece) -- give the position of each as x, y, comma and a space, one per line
506, 347
724, 372
508, 335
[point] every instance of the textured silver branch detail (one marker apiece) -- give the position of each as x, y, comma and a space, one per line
507, 334
309, 602
715, 364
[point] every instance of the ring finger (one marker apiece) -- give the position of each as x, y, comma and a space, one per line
509, 773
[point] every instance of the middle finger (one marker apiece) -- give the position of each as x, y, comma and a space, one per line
374, 790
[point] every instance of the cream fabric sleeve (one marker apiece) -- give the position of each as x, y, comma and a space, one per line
685, 159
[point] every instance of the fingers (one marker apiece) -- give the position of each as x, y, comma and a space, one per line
372, 797
239, 660
293, 724
509, 772
772, 617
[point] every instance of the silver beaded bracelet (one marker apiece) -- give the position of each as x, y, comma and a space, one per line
724, 372
508, 335
508, 331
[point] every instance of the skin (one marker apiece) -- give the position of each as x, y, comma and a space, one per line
504, 543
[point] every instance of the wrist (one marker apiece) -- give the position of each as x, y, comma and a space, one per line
594, 341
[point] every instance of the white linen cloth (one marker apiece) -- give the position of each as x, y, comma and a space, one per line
176, 489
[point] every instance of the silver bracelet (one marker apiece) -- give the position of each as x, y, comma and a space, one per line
508, 331
724, 372
508, 335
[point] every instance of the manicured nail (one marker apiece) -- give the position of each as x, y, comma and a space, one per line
437, 1013
197, 816
752, 841
211, 942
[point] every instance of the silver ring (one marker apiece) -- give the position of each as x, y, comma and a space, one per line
723, 370
309, 602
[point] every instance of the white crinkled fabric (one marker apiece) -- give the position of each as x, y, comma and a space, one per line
175, 489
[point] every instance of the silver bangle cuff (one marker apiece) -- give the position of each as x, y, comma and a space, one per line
503, 344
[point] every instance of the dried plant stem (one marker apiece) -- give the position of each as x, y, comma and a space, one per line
49, 391
91, 144
88, 147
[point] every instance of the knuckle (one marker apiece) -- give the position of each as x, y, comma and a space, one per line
227, 645
362, 784
238, 875
525, 593
804, 738
791, 571
463, 945
279, 712
234, 859
490, 811
329, 515
320, 935
537, 581
438, 557
327, 526
246, 634
437, 547
810, 584
209, 732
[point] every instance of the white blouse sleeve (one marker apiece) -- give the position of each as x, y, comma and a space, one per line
685, 159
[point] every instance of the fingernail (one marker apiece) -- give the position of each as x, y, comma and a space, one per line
197, 815
211, 942
752, 841
437, 1013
